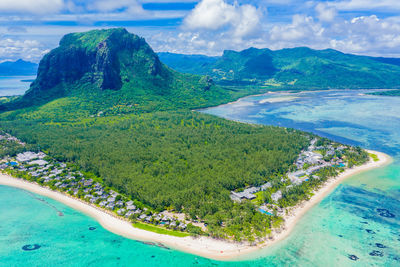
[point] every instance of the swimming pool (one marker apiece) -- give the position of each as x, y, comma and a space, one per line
265, 212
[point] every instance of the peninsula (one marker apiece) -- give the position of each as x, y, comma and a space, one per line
203, 246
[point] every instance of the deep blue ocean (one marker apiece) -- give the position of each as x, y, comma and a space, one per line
361, 217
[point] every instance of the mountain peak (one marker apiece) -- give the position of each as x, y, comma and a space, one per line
93, 38
99, 58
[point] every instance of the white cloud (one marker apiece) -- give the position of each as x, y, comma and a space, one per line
168, 1
369, 34
15, 49
373, 5
211, 27
210, 15
325, 13
132, 6
31, 6
303, 28
241, 20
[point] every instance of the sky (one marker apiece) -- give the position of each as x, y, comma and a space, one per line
31, 28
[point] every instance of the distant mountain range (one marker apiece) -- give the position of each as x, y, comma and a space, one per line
18, 68
301, 68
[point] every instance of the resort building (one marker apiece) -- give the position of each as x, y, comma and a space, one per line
276, 196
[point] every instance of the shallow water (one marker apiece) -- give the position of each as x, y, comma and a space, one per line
14, 85
361, 217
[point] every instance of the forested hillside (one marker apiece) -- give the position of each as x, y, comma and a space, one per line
294, 68
104, 101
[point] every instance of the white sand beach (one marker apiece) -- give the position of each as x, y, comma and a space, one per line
202, 246
277, 99
297, 212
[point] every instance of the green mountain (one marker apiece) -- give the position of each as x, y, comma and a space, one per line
195, 64
103, 101
297, 68
114, 67
18, 68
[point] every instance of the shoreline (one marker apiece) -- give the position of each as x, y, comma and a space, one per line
297, 212
289, 92
201, 246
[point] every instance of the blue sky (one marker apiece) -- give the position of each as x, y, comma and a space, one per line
30, 28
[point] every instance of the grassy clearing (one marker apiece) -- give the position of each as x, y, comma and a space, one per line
259, 198
159, 230
374, 157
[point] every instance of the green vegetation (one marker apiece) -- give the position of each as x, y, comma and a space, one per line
7, 99
184, 160
374, 157
10, 148
355, 157
298, 193
159, 230
195, 64
104, 101
295, 68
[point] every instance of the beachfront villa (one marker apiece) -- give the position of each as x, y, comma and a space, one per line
39, 162
276, 196
28, 156
57, 175
309, 162
249, 192
64, 178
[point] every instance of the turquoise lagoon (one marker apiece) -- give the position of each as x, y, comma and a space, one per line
361, 217
14, 85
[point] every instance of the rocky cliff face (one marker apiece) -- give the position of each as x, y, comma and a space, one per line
96, 57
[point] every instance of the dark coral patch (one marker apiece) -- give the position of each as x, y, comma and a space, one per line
385, 213
376, 253
353, 257
379, 245
31, 247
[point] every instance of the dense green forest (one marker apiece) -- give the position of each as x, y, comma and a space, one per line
183, 160
295, 68
8, 148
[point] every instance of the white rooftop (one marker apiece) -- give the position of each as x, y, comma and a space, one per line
38, 162
29, 155
276, 196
